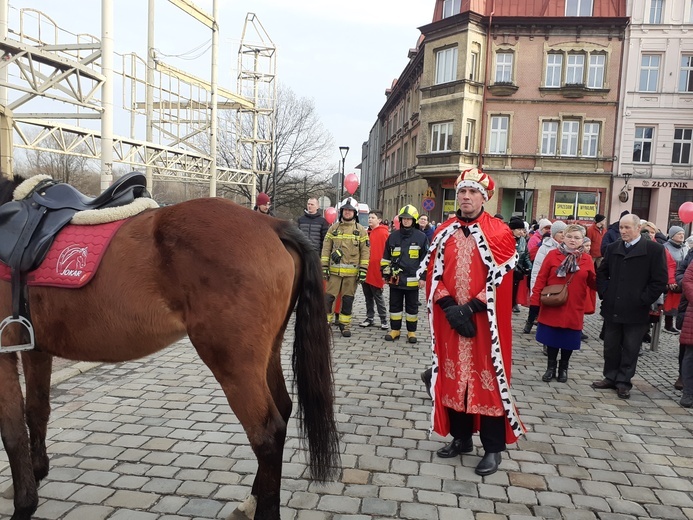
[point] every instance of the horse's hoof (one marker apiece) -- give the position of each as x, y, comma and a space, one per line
8, 493
246, 511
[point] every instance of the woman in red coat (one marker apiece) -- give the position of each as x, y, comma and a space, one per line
560, 328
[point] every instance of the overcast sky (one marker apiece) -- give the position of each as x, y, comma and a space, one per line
342, 55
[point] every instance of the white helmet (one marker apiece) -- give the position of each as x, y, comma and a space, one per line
348, 203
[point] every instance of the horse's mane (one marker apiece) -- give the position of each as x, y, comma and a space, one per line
7, 187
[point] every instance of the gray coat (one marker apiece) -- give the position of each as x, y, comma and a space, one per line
629, 283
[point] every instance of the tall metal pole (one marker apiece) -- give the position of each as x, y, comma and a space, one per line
214, 99
149, 92
107, 93
5, 116
341, 180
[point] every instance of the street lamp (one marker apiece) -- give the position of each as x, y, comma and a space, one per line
525, 176
343, 150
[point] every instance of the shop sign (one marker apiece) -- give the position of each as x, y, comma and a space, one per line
449, 206
665, 184
564, 209
587, 211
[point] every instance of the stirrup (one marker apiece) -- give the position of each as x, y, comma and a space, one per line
17, 348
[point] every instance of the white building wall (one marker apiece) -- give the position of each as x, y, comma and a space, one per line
665, 110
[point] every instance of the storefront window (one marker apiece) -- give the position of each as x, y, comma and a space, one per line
678, 197
575, 205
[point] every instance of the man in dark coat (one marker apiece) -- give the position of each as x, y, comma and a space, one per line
612, 234
632, 275
313, 224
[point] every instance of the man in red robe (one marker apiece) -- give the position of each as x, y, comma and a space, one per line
469, 289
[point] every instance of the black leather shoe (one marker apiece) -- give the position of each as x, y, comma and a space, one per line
624, 393
604, 384
456, 447
488, 464
527, 328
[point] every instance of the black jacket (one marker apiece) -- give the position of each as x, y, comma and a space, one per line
612, 235
629, 283
315, 228
404, 251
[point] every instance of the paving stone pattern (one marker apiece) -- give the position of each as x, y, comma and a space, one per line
155, 440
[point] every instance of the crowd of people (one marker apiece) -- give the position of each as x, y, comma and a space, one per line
476, 270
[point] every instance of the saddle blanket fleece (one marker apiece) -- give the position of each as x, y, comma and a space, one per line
73, 258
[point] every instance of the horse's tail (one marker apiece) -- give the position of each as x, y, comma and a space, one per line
312, 361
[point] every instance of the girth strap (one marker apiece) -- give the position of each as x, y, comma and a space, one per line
18, 281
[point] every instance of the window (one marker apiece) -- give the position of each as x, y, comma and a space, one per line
683, 138
441, 137
451, 8
405, 155
575, 69
554, 69
446, 65
590, 139
578, 8
469, 136
642, 144
549, 136
473, 65
499, 134
649, 73
656, 8
570, 132
581, 205
595, 76
686, 77
504, 67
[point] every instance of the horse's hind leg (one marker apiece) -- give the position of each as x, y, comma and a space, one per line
37, 374
15, 439
244, 382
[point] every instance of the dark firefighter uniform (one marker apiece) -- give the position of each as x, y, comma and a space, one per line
404, 251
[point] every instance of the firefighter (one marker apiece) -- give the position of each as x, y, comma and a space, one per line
345, 254
404, 251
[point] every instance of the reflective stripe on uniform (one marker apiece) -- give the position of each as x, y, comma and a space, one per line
396, 316
344, 318
414, 251
413, 282
384, 262
412, 318
330, 318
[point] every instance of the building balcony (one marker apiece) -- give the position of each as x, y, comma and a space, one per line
504, 88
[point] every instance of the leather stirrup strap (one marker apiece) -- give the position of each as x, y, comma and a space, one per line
32, 223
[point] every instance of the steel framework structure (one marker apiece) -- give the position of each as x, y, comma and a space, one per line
40, 62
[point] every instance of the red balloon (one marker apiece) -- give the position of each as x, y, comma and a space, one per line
330, 215
395, 222
686, 212
351, 183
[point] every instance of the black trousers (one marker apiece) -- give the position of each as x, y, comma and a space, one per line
491, 429
622, 342
404, 299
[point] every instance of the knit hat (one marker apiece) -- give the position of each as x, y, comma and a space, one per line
262, 199
598, 218
516, 223
557, 227
675, 229
477, 179
544, 222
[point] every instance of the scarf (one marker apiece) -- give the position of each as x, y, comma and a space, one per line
570, 262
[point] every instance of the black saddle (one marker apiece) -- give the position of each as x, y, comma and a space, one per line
29, 226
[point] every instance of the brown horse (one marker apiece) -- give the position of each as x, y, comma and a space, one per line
226, 277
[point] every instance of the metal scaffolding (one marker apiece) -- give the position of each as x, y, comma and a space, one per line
43, 67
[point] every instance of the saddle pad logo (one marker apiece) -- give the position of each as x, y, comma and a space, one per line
72, 261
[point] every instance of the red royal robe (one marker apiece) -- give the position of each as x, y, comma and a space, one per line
466, 379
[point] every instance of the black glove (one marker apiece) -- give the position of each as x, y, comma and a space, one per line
336, 256
386, 272
362, 275
460, 316
326, 273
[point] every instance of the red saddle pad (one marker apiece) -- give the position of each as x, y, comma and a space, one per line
73, 258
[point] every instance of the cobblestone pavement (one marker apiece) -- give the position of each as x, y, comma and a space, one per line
155, 440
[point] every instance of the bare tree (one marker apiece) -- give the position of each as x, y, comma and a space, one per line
78, 170
303, 149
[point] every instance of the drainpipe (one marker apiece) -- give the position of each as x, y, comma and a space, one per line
620, 106
482, 141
